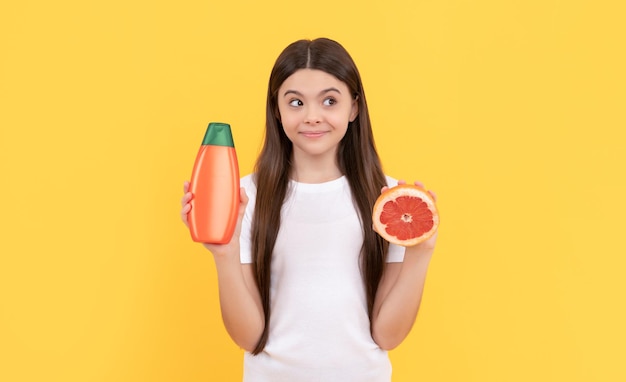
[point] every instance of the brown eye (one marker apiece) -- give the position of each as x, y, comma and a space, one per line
295, 103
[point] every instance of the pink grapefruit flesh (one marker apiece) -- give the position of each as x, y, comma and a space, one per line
405, 215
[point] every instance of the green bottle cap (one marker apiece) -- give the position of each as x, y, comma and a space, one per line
218, 134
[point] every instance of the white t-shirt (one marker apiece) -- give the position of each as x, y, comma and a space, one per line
319, 326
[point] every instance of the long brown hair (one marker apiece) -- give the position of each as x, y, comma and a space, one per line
357, 159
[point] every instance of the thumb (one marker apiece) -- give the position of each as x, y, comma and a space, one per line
243, 203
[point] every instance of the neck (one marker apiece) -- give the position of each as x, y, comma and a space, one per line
314, 170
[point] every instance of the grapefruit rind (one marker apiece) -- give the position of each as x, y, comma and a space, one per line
402, 197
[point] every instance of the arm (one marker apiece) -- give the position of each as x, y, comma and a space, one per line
240, 301
399, 294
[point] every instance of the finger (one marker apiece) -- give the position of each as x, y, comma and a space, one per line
186, 186
419, 184
243, 196
401, 182
385, 188
184, 213
432, 193
186, 198
243, 203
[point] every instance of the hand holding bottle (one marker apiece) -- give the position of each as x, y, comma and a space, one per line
216, 249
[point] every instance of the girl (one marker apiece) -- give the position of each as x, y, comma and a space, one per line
306, 286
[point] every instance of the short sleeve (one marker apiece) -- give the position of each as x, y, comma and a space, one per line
245, 242
245, 238
395, 253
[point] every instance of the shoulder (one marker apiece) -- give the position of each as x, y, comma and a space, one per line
249, 183
391, 181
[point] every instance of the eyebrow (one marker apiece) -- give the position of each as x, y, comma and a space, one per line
331, 89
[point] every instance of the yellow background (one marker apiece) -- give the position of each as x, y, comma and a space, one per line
512, 111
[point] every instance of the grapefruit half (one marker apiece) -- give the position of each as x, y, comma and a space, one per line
405, 215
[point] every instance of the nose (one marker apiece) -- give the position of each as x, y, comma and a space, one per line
312, 116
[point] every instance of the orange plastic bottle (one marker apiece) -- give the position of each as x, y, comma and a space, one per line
215, 187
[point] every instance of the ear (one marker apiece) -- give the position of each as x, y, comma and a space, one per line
355, 108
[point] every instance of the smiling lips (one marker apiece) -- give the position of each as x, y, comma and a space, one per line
313, 134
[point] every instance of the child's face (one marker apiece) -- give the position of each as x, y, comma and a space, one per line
315, 109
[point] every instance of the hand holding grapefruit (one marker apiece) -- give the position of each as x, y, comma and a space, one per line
405, 215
